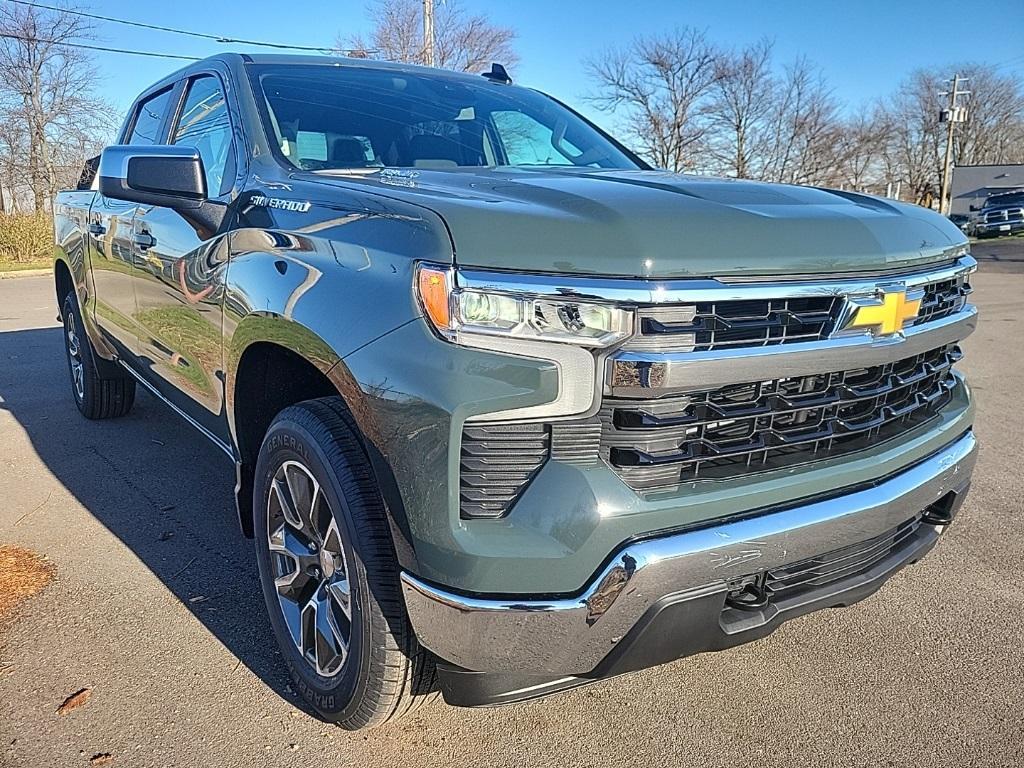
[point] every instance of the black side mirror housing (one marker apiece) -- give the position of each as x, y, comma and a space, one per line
163, 175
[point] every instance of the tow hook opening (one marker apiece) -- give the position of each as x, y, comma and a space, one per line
944, 510
748, 594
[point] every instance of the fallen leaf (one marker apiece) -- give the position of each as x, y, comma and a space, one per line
23, 574
166, 536
103, 758
74, 701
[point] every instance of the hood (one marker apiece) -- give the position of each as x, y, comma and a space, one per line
657, 224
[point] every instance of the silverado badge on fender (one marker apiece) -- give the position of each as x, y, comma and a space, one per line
885, 314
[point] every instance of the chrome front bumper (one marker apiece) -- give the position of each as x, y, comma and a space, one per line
571, 636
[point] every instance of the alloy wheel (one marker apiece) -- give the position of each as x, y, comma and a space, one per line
75, 355
310, 571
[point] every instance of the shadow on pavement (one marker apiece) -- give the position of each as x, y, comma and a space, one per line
156, 484
1000, 255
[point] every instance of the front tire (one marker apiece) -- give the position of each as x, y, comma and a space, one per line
98, 396
329, 573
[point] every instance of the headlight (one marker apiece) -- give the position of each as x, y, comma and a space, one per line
454, 311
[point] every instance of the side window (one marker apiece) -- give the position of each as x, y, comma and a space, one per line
204, 124
149, 118
528, 142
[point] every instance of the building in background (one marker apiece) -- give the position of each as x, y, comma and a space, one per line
973, 183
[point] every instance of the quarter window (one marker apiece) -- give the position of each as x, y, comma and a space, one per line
149, 118
204, 124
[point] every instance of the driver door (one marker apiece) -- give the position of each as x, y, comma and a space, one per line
181, 257
111, 252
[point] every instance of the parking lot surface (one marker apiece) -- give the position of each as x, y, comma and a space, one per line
156, 607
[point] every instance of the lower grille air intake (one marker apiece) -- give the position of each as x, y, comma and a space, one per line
772, 424
838, 564
498, 461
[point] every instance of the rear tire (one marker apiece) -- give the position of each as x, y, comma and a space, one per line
97, 396
329, 572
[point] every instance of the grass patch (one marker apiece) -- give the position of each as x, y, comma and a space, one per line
23, 574
19, 266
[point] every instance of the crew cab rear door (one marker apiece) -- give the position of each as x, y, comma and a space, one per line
111, 252
180, 258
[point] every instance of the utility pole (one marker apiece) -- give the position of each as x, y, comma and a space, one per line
951, 116
428, 33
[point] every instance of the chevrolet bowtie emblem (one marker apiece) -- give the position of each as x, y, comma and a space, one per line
885, 314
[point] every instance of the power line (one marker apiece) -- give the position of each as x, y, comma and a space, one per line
103, 48
1013, 61
173, 30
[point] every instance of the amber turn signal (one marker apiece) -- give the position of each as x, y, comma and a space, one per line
433, 290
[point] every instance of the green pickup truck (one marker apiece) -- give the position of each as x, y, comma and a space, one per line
510, 410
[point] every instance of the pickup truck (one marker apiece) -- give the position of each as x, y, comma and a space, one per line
1001, 214
511, 411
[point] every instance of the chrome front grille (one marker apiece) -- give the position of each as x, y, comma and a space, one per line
710, 325
943, 298
1004, 215
771, 424
723, 379
706, 326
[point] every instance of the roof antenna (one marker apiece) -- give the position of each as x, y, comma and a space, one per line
498, 74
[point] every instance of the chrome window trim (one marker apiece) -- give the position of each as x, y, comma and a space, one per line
622, 290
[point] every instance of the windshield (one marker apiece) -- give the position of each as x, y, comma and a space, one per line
326, 117
1000, 201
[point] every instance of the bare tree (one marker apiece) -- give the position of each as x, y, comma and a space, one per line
742, 104
13, 159
687, 105
9, 150
993, 132
462, 41
47, 89
913, 145
804, 129
860, 153
659, 87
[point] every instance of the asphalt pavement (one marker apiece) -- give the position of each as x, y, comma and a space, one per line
156, 607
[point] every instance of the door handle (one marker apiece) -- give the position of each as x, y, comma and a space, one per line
143, 240
97, 229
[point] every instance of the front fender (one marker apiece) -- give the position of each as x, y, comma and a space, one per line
323, 291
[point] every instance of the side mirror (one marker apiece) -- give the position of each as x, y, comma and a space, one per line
164, 175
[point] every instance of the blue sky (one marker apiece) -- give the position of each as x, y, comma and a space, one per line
864, 46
